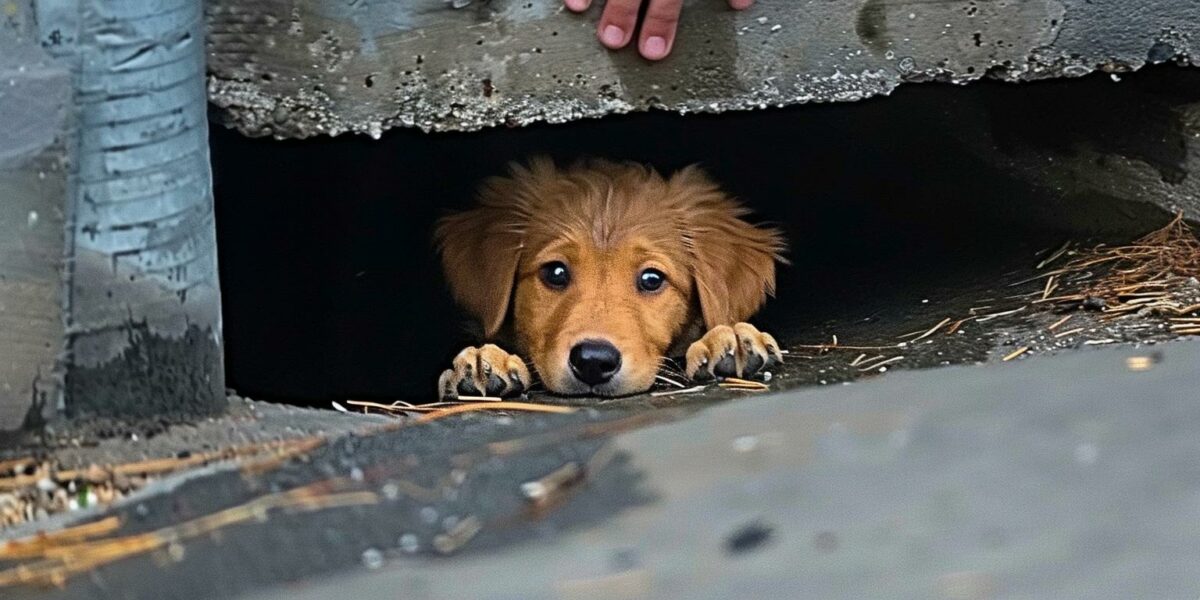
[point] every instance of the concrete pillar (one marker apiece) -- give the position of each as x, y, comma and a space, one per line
35, 100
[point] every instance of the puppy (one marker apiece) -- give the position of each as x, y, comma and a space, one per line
596, 272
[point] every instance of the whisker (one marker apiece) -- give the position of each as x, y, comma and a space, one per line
670, 381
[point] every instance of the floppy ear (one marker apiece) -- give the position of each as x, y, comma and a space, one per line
480, 250
733, 262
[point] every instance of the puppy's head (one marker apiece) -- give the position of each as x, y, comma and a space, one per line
601, 266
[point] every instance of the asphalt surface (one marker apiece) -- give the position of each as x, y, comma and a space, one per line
1073, 476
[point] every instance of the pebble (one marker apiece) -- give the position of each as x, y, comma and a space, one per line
372, 558
409, 543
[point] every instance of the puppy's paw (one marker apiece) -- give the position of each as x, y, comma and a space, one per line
738, 351
484, 371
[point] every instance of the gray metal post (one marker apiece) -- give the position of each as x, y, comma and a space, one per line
142, 303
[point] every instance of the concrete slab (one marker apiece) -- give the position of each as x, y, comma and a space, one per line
298, 68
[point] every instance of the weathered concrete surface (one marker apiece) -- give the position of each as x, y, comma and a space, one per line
35, 97
142, 301
1067, 477
1135, 144
297, 68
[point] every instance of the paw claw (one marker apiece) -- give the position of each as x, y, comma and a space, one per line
743, 350
484, 371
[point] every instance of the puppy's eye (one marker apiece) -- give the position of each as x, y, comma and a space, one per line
555, 275
651, 280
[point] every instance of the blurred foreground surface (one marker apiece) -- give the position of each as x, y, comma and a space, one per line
1072, 476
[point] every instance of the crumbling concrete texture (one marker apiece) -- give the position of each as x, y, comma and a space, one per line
35, 96
298, 68
141, 301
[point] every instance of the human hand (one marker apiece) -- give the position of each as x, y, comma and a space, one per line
619, 21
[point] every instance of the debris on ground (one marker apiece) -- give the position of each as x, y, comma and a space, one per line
32, 489
1096, 290
1157, 275
60, 555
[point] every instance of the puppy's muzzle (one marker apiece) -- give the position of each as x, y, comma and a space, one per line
594, 362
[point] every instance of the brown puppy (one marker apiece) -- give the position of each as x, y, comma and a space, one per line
597, 271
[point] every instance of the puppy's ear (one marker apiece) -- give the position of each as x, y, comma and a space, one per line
733, 262
480, 251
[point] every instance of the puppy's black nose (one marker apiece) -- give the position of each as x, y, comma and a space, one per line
595, 362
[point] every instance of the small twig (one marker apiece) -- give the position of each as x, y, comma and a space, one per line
7, 466
957, 324
458, 536
733, 383
691, 390
38, 544
1014, 311
474, 406
1059, 323
857, 348
932, 330
540, 490
1051, 285
882, 364
1015, 353
1053, 257
1069, 332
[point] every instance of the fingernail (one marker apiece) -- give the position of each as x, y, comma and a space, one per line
655, 47
613, 36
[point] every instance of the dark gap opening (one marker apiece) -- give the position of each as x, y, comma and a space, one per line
332, 289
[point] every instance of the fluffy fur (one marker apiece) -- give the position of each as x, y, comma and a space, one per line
607, 221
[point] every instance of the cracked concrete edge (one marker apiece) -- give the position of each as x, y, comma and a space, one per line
299, 68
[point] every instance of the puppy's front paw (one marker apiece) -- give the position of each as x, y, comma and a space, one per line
738, 351
484, 371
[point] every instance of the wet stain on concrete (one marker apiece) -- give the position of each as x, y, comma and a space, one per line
871, 23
